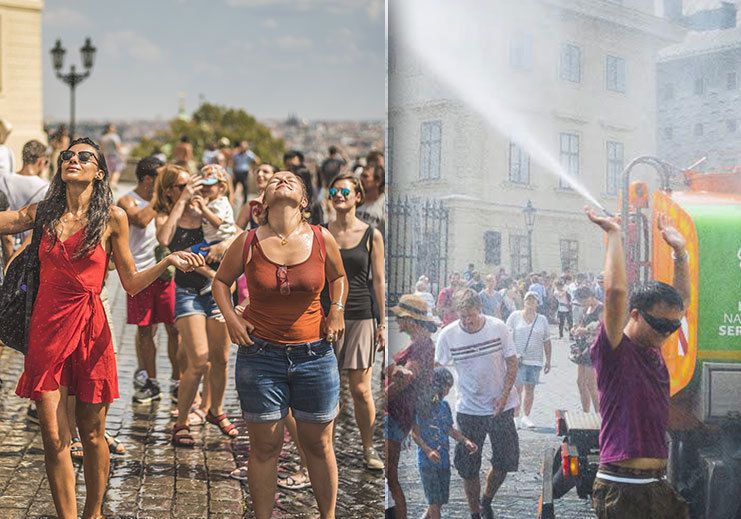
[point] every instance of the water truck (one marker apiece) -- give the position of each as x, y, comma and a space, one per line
703, 357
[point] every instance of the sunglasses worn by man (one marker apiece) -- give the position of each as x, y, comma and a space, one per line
660, 324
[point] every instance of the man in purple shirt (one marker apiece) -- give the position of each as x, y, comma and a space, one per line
633, 383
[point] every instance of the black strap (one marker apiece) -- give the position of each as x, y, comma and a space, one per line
530, 334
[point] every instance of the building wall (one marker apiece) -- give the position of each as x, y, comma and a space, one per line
475, 154
20, 71
717, 109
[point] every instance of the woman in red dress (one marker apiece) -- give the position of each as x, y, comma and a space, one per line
69, 345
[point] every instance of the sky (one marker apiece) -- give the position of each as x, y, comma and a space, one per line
319, 59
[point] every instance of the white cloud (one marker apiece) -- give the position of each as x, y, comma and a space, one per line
293, 43
373, 8
270, 23
132, 45
64, 17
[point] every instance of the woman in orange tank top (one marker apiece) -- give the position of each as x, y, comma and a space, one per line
286, 358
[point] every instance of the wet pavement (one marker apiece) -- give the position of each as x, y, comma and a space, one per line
155, 480
518, 496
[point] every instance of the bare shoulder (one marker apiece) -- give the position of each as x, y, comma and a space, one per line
118, 217
125, 201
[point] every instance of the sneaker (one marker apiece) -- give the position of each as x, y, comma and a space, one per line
174, 386
526, 422
149, 393
372, 460
486, 511
140, 378
32, 415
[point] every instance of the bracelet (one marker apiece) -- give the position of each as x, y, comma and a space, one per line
683, 257
339, 305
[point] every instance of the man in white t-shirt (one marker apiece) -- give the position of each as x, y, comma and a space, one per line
481, 349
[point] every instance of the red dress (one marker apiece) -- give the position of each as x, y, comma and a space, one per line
69, 341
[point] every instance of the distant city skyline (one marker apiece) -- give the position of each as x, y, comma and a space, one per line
318, 59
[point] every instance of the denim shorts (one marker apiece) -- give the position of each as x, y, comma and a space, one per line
271, 378
189, 302
528, 375
393, 430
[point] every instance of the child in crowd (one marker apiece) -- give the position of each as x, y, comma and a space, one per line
218, 215
431, 431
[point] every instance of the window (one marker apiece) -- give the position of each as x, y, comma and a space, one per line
571, 63
493, 248
615, 74
731, 125
731, 81
698, 130
569, 157
614, 166
429, 153
519, 165
668, 133
519, 249
521, 51
699, 86
389, 153
569, 255
668, 91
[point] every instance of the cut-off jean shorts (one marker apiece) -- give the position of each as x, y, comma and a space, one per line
271, 378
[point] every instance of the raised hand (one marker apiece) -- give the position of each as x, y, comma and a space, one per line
193, 187
671, 235
186, 261
607, 223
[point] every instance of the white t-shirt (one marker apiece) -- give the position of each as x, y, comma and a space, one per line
223, 209
533, 355
142, 242
7, 160
479, 360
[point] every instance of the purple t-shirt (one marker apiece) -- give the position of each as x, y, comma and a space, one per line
633, 386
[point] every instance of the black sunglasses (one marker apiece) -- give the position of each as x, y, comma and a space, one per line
661, 325
83, 156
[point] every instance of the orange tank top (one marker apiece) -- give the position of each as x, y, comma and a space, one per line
285, 307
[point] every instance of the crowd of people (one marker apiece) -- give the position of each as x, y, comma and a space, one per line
285, 262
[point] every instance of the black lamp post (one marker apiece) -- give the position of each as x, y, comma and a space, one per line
73, 78
529, 212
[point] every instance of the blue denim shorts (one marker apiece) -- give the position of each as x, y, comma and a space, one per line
271, 378
528, 375
393, 430
189, 302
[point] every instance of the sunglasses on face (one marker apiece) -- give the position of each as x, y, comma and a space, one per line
180, 186
343, 190
83, 156
283, 284
661, 325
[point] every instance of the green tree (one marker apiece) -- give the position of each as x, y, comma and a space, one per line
210, 123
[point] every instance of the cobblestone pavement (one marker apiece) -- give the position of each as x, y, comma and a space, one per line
518, 496
154, 480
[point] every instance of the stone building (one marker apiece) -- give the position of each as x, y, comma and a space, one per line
20, 71
699, 97
580, 76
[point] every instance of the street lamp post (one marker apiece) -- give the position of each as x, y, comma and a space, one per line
73, 78
529, 212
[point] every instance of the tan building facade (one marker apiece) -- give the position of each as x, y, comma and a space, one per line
581, 78
21, 98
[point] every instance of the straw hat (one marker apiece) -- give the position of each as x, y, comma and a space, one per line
413, 307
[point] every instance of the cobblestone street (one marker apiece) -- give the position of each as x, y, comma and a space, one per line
518, 496
153, 479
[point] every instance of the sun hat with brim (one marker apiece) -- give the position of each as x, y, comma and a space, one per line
413, 307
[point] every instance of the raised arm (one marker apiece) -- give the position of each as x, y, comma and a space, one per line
678, 243
13, 222
616, 282
167, 224
138, 216
132, 281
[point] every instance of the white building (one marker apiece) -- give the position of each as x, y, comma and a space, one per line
580, 75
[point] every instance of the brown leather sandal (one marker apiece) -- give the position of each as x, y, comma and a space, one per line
227, 430
184, 439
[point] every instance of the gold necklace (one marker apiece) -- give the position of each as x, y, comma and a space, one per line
284, 239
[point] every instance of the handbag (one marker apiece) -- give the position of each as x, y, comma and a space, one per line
519, 361
18, 294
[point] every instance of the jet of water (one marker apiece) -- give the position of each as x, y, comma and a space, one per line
429, 29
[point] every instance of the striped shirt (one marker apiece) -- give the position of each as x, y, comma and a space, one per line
479, 360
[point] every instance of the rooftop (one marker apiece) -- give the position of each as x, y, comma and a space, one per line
698, 43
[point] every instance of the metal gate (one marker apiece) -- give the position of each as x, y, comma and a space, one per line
417, 245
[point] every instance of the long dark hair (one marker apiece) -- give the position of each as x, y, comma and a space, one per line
51, 209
